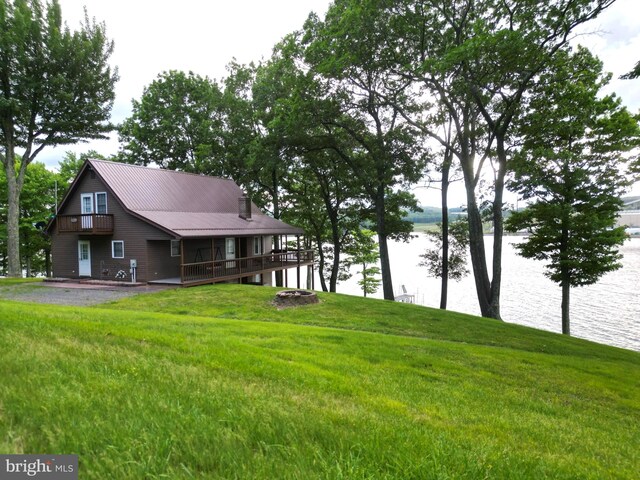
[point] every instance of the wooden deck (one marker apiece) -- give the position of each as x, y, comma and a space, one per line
86, 224
201, 273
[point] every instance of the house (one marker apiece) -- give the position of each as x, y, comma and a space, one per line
132, 223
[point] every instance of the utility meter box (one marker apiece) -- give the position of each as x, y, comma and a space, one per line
133, 263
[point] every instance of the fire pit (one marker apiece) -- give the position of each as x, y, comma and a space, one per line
294, 298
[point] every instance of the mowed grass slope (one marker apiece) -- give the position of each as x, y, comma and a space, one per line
215, 382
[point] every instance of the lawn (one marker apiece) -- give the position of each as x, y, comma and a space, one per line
215, 382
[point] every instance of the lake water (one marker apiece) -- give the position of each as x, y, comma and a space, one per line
607, 312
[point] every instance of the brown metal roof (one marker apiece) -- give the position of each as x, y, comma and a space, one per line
186, 204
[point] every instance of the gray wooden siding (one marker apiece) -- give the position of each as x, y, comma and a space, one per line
161, 264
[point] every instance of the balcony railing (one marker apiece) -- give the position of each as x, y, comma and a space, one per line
229, 269
88, 224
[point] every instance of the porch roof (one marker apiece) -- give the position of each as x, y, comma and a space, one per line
200, 224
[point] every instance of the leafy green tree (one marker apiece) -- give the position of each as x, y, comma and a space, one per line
387, 156
447, 263
36, 209
635, 73
569, 168
177, 124
325, 205
318, 192
480, 60
243, 133
363, 251
56, 88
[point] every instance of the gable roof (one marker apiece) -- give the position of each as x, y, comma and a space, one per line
185, 204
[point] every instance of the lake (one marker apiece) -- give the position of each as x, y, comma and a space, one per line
607, 312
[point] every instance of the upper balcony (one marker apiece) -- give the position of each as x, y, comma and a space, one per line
86, 224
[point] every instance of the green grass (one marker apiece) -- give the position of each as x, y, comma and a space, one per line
215, 382
8, 281
425, 227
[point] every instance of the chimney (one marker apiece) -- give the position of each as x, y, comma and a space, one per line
244, 207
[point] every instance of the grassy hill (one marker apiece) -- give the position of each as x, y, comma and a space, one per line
215, 382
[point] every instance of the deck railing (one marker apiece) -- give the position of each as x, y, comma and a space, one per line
88, 223
229, 269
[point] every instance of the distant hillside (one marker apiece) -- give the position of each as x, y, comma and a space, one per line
432, 215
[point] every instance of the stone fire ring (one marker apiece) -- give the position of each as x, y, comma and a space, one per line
294, 298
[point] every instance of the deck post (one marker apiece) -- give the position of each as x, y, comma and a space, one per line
298, 267
181, 260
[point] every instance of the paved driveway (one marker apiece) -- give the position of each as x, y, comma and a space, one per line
69, 293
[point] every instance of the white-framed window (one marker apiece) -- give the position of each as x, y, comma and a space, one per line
175, 248
117, 249
101, 202
86, 203
257, 245
230, 244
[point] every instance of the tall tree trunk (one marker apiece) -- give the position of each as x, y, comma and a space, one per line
276, 215
321, 264
364, 279
498, 229
277, 244
444, 287
565, 275
476, 235
385, 264
337, 251
14, 268
335, 268
488, 290
566, 291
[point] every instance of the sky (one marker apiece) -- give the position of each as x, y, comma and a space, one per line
203, 36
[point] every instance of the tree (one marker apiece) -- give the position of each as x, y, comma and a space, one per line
635, 73
70, 166
57, 88
570, 169
363, 252
480, 59
177, 124
36, 209
447, 263
387, 157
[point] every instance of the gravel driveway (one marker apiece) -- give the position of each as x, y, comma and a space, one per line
71, 293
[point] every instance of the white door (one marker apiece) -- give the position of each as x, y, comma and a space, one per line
230, 251
84, 258
86, 205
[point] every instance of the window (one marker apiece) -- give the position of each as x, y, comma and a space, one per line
230, 247
257, 245
86, 200
175, 248
101, 202
117, 249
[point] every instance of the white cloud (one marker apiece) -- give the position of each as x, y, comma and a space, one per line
152, 36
